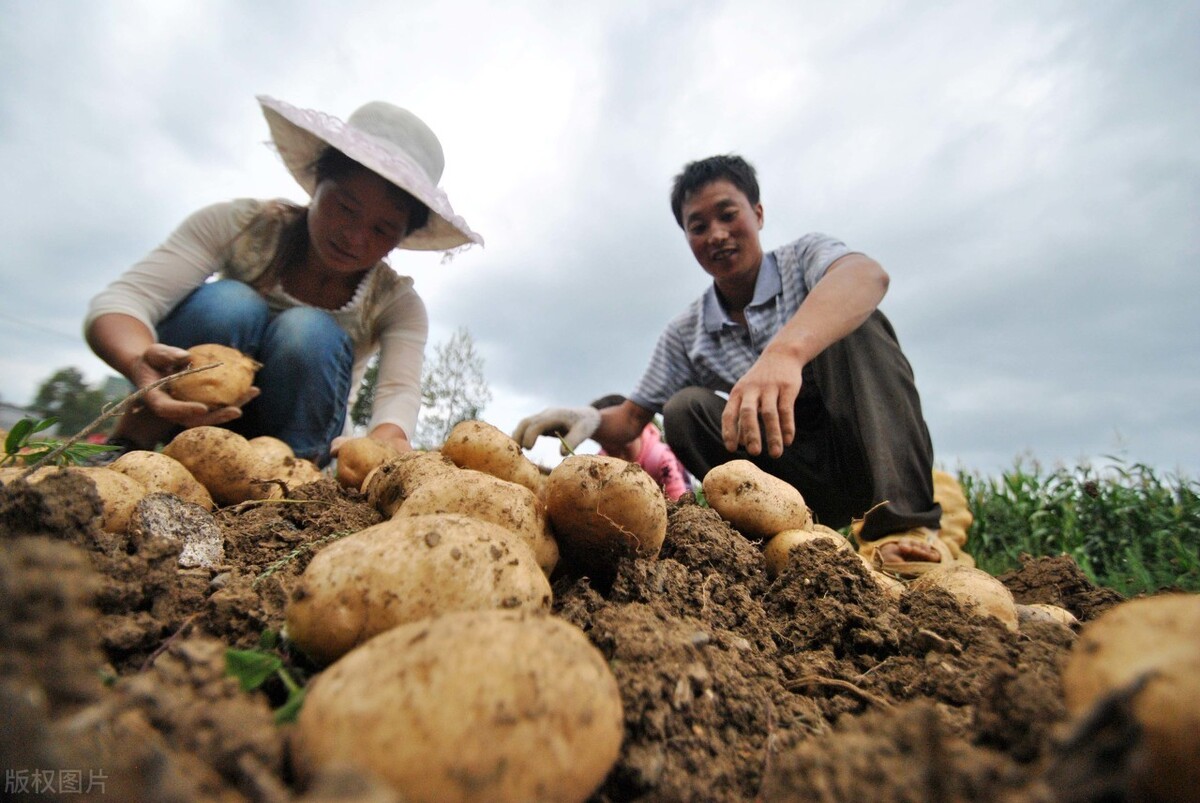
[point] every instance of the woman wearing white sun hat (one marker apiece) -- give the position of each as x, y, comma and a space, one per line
302, 289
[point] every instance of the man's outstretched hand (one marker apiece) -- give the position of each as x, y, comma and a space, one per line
573, 424
768, 392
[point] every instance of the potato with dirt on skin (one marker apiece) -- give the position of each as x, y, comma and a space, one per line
282, 464
388, 485
406, 569
160, 472
975, 590
358, 457
480, 446
1150, 641
755, 503
781, 545
482, 496
271, 449
1045, 612
603, 508
223, 386
224, 463
118, 493
508, 706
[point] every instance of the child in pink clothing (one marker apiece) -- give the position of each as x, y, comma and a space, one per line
649, 452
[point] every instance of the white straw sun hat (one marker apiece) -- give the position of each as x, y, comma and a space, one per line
387, 140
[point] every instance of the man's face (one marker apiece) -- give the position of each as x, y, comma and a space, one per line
722, 230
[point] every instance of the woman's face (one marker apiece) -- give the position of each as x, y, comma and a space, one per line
355, 220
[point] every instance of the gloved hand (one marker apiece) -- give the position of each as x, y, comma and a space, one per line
574, 424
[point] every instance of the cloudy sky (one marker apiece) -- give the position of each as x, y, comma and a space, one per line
1027, 172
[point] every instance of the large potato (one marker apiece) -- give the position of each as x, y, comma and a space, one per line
159, 472
280, 462
480, 446
604, 508
975, 589
757, 504
1151, 640
491, 706
390, 484
407, 569
222, 386
271, 449
358, 457
482, 496
224, 463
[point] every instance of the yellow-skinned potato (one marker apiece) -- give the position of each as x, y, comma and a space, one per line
224, 463
975, 589
1153, 640
406, 569
480, 446
1045, 612
494, 706
755, 503
272, 449
119, 494
358, 457
781, 545
159, 472
604, 508
482, 496
388, 485
222, 386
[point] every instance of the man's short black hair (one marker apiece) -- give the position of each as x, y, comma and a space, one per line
730, 167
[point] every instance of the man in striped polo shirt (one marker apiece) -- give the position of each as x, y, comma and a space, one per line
784, 361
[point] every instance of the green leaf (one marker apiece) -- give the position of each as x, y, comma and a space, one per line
17, 435
268, 639
251, 667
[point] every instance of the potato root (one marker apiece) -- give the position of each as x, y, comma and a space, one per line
1151, 640
222, 386
482, 496
755, 503
604, 508
406, 569
159, 472
480, 446
492, 706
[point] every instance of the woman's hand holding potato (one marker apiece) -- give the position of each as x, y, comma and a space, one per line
159, 361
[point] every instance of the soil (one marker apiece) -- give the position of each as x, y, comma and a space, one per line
817, 685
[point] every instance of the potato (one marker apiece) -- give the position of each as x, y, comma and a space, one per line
1045, 612
407, 569
390, 484
473, 706
272, 449
781, 545
158, 472
1152, 639
482, 496
975, 589
604, 508
119, 493
224, 463
480, 446
222, 386
755, 503
357, 457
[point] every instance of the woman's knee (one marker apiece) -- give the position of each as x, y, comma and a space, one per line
303, 332
224, 311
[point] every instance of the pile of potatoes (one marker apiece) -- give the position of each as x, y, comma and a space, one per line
436, 621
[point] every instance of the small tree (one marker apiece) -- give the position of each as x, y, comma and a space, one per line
452, 390
66, 397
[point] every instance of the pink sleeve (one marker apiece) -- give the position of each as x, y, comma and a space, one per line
661, 463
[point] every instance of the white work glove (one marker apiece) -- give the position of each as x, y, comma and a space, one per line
574, 424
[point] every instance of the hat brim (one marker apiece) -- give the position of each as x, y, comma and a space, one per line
300, 135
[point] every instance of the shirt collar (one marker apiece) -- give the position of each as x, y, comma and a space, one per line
768, 285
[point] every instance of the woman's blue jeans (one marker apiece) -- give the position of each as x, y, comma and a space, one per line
306, 357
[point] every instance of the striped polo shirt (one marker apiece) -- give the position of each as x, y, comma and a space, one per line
704, 347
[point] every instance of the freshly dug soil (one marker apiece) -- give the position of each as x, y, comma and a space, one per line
814, 686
